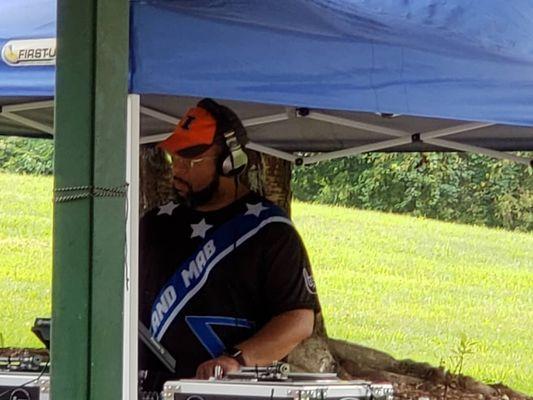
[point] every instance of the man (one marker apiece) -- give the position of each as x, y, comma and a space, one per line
225, 279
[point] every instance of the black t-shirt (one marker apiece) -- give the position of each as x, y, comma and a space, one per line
210, 280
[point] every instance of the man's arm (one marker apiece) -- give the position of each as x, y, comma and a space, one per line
271, 343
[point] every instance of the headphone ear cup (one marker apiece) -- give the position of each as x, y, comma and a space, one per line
227, 165
233, 163
233, 159
223, 161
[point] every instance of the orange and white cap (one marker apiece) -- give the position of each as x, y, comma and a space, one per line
196, 130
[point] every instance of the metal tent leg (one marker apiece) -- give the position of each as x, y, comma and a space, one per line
131, 273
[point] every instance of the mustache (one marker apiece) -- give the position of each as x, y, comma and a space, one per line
179, 180
185, 198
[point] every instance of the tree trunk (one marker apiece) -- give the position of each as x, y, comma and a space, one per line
155, 179
271, 177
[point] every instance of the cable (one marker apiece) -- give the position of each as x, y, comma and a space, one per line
10, 391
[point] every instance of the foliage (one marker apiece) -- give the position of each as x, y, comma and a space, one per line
28, 156
454, 364
460, 187
468, 188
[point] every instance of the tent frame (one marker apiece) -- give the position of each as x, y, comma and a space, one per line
10, 112
401, 137
130, 357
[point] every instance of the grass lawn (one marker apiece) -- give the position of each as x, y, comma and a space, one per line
414, 287
410, 287
25, 256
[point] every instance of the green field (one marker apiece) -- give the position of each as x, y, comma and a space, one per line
25, 256
410, 287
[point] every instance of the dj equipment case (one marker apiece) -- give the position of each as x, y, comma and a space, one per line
240, 389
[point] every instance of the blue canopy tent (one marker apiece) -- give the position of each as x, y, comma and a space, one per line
327, 78
318, 76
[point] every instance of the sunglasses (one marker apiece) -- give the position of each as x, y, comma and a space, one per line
184, 162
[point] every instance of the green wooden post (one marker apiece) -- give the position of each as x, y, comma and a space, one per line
89, 233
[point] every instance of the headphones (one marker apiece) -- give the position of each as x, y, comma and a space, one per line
233, 159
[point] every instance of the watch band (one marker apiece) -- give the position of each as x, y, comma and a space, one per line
236, 354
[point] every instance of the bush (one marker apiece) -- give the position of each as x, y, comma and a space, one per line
460, 187
28, 156
468, 188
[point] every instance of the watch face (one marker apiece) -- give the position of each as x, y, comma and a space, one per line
235, 354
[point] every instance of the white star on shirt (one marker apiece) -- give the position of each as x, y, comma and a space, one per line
255, 209
167, 208
200, 229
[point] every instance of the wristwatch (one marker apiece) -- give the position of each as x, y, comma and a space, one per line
236, 354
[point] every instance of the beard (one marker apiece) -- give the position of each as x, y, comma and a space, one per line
197, 198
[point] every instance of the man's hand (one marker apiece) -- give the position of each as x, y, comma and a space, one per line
273, 342
207, 369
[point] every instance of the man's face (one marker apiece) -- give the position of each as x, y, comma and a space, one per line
196, 179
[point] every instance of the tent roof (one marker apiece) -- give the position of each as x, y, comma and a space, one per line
465, 60
29, 19
431, 65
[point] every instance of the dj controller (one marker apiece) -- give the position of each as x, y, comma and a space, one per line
20, 380
24, 386
24, 375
